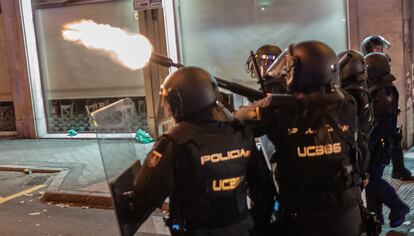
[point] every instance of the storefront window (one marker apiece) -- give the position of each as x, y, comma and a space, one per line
7, 118
218, 35
76, 80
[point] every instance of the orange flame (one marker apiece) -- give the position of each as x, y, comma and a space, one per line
130, 50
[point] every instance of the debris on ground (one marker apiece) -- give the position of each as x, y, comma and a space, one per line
34, 214
143, 137
61, 205
72, 133
27, 171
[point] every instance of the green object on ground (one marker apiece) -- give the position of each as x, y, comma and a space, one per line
143, 137
72, 133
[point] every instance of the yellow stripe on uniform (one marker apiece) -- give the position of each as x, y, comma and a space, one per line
19, 194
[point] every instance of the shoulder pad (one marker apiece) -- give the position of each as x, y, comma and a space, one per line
161, 144
182, 132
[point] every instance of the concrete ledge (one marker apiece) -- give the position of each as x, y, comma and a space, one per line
79, 198
54, 192
34, 169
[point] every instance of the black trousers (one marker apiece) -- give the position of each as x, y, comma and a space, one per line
397, 159
343, 221
243, 228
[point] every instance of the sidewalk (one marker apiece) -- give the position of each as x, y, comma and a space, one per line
81, 177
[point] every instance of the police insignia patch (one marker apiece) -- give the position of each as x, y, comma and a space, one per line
153, 159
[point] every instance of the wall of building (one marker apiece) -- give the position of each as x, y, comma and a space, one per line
5, 83
390, 19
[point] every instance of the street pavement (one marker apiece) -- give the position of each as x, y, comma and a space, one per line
83, 171
22, 212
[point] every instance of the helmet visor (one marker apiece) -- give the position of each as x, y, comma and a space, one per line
279, 67
263, 61
164, 114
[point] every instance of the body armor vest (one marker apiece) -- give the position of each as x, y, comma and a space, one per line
210, 174
365, 107
385, 98
317, 163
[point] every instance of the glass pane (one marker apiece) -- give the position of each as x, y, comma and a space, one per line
77, 81
117, 154
218, 35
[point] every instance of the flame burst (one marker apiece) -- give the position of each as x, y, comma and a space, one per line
131, 50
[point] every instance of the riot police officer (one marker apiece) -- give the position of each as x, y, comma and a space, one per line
385, 102
353, 80
265, 56
377, 43
315, 132
204, 164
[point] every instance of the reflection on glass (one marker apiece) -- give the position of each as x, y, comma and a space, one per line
218, 35
76, 80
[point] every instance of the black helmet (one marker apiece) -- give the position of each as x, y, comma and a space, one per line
351, 65
265, 56
188, 91
378, 65
369, 43
309, 66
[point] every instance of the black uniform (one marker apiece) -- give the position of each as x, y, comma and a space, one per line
315, 133
353, 81
385, 100
318, 184
205, 169
365, 121
382, 139
377, 43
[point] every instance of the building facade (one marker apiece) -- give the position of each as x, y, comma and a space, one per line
50, 85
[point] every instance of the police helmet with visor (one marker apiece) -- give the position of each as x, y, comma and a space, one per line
187, 91
374, 43
351, 68
308, 67
265, 56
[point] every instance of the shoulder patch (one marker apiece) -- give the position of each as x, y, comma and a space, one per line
153, 158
